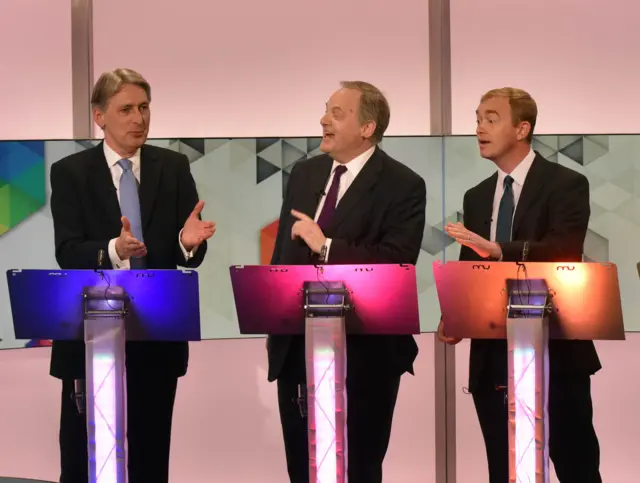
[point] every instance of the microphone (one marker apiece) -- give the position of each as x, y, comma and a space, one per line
100, 258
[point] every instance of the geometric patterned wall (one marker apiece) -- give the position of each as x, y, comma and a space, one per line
22, 183
242, 182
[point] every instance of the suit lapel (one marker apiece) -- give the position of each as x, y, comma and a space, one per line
318, 177
485, 207
101, 180
365, 180
533, 183
150, 171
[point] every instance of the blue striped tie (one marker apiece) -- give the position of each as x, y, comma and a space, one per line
130, 206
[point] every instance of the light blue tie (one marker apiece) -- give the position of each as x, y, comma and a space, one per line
130, 205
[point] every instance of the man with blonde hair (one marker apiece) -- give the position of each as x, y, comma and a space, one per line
135, 206
539, 211
352, 205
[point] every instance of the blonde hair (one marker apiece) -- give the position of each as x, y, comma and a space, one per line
523, 106
373, 107
110, 83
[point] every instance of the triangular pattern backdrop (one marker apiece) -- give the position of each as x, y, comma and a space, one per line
242, 182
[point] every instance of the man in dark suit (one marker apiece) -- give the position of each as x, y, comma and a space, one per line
121, 205
352, 205
546, 205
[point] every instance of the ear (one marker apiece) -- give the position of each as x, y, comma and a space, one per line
523, 131
367, 129
98, 117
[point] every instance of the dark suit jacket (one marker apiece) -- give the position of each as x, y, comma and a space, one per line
86, 215
552, 215
380, 219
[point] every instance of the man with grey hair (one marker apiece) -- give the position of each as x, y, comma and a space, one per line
353, 204
133, 206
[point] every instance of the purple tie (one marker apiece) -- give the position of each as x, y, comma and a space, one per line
331, 200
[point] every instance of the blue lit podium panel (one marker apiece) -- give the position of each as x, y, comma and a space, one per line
161, 305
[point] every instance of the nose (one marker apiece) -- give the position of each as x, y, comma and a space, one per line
137, 117
479, 129
324, 120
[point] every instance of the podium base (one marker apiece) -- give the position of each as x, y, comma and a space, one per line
528, 389
326, 364
104, 336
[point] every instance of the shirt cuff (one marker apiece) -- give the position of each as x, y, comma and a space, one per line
115, 259
187, 255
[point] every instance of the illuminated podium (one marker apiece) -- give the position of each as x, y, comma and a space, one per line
528, 304
105, 308
325, 303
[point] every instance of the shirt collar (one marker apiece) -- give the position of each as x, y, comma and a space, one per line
520, 173
356, 164
113, 157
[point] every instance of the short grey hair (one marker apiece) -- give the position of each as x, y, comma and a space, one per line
373, 107
110, 83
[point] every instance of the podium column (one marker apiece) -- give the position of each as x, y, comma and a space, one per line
104, 336
528, 388
326, 370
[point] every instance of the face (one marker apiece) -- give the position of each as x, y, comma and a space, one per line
343, 137
125, 121
497, 136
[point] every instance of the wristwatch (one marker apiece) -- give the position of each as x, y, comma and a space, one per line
323, 254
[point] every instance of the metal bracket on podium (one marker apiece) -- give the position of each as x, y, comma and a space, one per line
104, 335
527, 338
325, 304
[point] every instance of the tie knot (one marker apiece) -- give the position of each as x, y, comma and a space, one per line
508, 181
125, 164
340, 170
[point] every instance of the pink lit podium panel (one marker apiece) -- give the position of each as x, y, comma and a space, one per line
325, 303
105, 308
528, 303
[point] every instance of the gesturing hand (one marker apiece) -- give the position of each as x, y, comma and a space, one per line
309, 231
127, 245
478, 244
195, 230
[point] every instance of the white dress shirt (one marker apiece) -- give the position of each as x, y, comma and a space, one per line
519, 175
116, 172
353, 169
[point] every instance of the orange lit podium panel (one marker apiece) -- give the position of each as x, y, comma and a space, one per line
529, 303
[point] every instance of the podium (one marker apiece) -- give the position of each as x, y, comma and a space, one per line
325, 303
105, 308
528, 304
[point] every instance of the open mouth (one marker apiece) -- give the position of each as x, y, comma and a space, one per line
483, 142
328, 135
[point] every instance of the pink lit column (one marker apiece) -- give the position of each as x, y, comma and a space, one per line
327, 399
528, 390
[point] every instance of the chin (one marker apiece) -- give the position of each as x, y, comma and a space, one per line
487, 154
326, 147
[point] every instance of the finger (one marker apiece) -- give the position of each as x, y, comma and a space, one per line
140, 252
198, 209
208, 224
126, 226
133, 244
295, 230
300, 216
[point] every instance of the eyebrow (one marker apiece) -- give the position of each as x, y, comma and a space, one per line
490, 111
